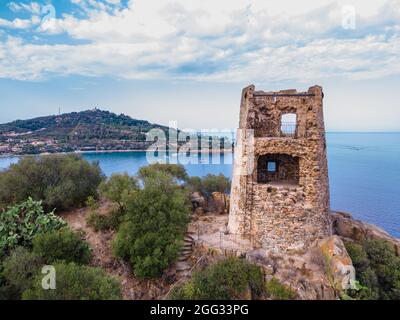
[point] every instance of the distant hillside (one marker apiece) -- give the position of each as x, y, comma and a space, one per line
86, 124
91, 129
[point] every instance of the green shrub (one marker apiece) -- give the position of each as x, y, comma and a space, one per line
358, 256
117, 188
176, 171
115, 218
19, 269
61, 181
76, 282
21, 223
195, 184
278, 291
92, 203
7, 293
229, 279
101, 222
386, 265
63, 245
209, 184
151, 235
97, 222
377, 270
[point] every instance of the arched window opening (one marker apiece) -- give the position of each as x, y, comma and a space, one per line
289, 125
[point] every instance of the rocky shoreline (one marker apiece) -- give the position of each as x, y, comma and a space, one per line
348, 228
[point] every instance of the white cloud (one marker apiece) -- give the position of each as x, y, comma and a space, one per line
233, 40
32, 7
19, 23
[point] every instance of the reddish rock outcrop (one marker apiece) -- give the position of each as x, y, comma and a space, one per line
348, 228
339, 267
220, 202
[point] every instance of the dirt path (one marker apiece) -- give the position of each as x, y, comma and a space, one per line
100, 243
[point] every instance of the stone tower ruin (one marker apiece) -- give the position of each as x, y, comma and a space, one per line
280, 187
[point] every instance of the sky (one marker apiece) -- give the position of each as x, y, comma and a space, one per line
188, 60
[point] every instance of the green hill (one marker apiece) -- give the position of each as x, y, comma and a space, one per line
87, 130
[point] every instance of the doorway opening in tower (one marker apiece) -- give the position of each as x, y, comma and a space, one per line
289, 125
278, 169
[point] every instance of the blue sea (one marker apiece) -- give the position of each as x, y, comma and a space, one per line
364, 172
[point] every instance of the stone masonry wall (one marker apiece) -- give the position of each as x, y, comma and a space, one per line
281, 217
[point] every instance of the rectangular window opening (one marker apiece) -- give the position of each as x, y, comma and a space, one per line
271, 166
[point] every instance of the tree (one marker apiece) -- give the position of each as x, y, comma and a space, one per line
76, 282
21, 223
63, 245
156, 220
61, 181
209, 184
176, 171
117, 188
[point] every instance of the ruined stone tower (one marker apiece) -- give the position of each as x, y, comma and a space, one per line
280, 188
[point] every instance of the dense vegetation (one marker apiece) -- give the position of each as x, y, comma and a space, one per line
31, 236
61, 181
117, 188
23, 264
151, 235
21, 276
209, 184
62, 245
22, 222
18, 270
177, 172
150, 214
76, 282
232, 279
225, 280
377, 270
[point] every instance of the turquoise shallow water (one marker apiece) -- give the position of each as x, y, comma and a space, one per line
364, 172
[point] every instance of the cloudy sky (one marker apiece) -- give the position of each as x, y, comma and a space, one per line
187, 60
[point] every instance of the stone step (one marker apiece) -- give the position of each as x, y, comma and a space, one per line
183, 258
191, 235
185, 274
182, 266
